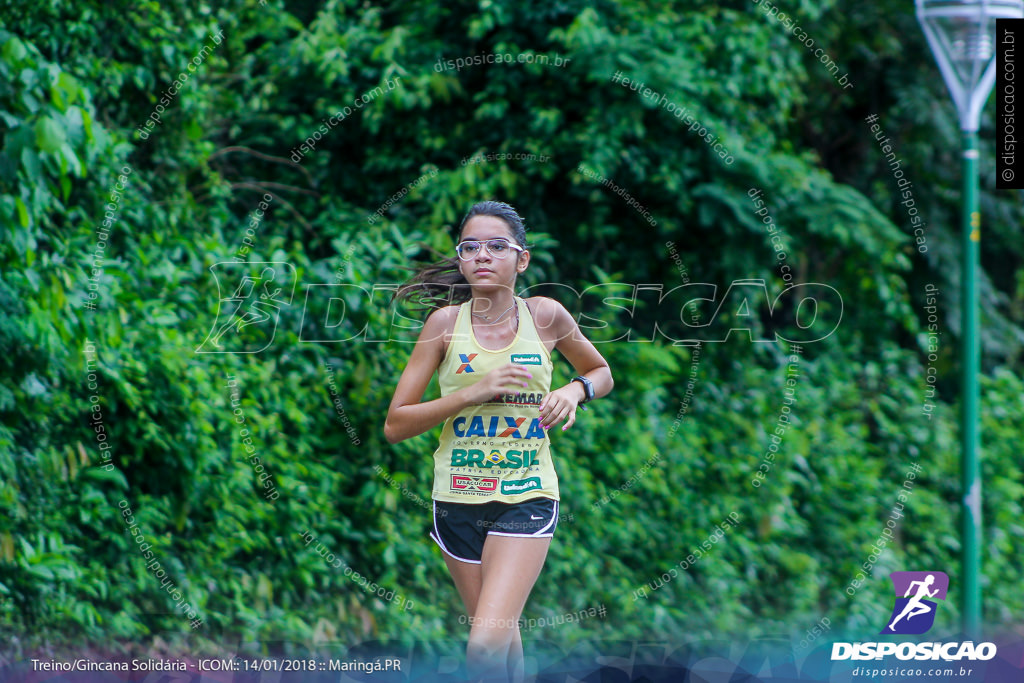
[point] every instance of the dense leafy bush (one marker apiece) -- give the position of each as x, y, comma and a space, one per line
101, 323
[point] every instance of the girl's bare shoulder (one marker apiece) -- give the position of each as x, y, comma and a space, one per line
440, 324
545, 310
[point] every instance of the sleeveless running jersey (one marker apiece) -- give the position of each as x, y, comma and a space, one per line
496, 450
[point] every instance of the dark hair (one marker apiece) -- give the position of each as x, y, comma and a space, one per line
441, 284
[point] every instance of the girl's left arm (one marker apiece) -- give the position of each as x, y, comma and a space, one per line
581, 353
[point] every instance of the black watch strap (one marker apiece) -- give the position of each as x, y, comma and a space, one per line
588, 387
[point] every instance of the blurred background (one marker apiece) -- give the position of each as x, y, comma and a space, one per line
144, 143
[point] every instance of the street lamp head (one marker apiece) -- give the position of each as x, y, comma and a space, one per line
961, 35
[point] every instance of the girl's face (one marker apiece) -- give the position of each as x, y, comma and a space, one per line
484, 268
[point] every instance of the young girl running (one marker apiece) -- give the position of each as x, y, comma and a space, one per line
495, 488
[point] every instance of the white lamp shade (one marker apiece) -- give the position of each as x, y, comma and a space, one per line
961, 34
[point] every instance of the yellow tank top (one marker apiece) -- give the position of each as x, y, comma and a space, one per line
496, 450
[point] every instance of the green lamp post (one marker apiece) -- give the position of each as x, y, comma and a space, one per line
961, 34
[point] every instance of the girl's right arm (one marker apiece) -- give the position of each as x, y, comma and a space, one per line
407, 417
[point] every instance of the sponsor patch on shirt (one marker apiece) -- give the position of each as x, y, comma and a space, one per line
526, 358
520, 485
461, 482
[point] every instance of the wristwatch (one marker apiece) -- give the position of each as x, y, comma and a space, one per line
588, 387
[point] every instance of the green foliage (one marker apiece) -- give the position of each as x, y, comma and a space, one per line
141, 290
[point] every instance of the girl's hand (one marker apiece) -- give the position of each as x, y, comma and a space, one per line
509, 377
559, 405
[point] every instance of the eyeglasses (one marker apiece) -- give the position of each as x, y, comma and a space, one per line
498, 248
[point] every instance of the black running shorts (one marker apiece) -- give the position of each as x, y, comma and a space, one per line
461, 529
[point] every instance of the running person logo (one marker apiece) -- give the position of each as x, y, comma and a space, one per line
914, 612
247, 319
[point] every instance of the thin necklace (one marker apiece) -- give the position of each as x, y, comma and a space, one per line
503, 313
487, 317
